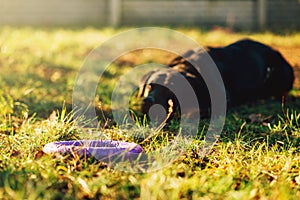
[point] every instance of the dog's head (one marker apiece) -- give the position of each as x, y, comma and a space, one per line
155, 89
177, 89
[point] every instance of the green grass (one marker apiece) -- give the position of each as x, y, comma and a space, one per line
256, 157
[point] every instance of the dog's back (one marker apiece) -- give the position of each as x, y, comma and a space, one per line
250, 70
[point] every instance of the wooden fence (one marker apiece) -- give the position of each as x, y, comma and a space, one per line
247, 14
53, 12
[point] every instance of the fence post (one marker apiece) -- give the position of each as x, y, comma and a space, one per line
114, 12
262, 13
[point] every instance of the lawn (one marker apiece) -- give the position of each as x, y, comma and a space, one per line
256, 157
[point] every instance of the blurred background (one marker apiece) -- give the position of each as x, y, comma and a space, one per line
237, 14
44, 43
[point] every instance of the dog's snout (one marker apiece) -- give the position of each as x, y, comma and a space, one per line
146, 104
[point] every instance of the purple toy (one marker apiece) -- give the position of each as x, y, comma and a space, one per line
103, 150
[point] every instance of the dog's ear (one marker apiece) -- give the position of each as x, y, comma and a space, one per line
143, 83
176, 61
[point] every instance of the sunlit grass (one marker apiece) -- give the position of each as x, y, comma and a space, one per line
256, 157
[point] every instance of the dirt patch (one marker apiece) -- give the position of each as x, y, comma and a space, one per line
292, 55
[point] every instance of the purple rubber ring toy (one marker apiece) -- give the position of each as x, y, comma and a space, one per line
103, 150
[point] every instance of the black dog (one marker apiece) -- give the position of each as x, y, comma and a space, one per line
250, 70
